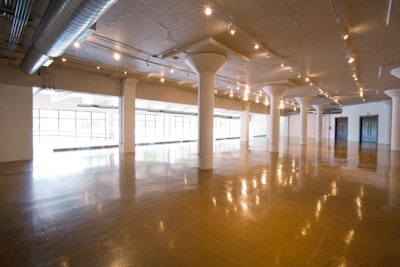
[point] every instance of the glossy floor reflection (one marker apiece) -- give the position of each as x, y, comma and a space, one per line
333, 204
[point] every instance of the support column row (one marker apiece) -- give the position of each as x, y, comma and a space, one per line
275, 92
395, 132
206, 66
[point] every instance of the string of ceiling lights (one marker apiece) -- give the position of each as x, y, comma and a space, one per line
248, 95
234, 27
350, 55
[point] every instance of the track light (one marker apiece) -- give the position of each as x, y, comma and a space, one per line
117, 56
207, 10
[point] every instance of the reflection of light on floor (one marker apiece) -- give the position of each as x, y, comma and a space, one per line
305, 229
359, 208
349, 237
264, 177
333, 188
244, 187
318, 209
161, 227
214, 201
229, 197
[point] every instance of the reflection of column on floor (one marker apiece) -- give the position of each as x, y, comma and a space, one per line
205, 190
244, 154
275, 92
304, 102
395, 136
127, 176
127, 107
206, 66
302, 167
244, 123
394, 185
273, 170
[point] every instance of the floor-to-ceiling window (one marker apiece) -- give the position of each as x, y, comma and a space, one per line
159, 122
65, 120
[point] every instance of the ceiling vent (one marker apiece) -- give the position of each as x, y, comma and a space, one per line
62, 24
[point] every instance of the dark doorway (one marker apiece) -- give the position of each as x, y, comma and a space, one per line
369, 129
341, 128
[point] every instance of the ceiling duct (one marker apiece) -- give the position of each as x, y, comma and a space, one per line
62, 23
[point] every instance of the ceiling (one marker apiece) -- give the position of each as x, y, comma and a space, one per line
297, 39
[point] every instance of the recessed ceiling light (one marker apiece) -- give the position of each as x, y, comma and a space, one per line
207, 10
171, 70
256, 46
98, 67
63, 59
76, 45
117, 56
232, 31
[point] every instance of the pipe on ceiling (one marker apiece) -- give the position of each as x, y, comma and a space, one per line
21, 16
62, 23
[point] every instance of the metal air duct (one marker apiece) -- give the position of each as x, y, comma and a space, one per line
62, 23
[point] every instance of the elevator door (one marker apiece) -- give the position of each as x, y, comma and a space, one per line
341, 129
369, 129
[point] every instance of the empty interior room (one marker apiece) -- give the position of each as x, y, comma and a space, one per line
199, 133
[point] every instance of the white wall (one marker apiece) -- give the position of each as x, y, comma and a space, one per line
295, 125
258, 124
354, 112
15, 123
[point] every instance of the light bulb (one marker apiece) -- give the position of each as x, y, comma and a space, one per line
207, 10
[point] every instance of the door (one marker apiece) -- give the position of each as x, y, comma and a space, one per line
369, 129
341, 128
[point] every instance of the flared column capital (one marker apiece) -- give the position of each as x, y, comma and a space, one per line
393, 93
275, 90
205, 62
304, 100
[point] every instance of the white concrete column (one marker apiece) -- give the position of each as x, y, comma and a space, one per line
275, 92
395, 133
319, 109
303, 101
206, 66
127, 118
245, 123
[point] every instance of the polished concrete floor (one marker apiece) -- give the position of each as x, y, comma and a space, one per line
319, 205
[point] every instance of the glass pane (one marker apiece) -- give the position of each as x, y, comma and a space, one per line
35, 113
67, 114
48, 113
83, 114
98, 115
